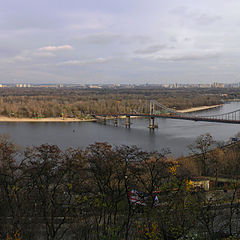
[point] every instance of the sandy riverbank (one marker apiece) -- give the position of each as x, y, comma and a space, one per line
198, 109
12, 119
8, 119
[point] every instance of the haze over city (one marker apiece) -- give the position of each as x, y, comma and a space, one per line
134, 41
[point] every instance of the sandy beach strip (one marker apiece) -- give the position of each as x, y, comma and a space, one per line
11, 119
198, 109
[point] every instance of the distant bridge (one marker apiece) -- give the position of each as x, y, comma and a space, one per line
165, 112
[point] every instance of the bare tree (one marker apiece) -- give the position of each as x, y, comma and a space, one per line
200, 148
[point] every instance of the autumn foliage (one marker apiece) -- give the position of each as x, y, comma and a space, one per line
84, 194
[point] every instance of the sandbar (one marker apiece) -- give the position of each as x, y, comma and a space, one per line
197, 109
12, 119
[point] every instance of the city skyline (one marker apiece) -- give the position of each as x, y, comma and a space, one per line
127, 42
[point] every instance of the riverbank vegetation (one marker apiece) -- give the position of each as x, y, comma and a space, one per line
42, 103
105, 192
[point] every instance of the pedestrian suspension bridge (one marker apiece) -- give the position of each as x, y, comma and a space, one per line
157, 110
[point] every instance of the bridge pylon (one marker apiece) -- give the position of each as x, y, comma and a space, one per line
151, 107
152, 125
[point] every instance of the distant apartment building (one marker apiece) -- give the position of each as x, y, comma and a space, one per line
218, 85
95, 86
205, 85
165, 85
23, 85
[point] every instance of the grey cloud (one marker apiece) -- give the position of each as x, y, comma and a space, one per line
173, 39
133, 43
190, 56
111, 38
31, 22
197, 17
204, 19
152, 49
101, 38
187, 39
8, 52
180, 10
142, 39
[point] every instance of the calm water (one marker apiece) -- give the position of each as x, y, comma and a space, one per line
173, 134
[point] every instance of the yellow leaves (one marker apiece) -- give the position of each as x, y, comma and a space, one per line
13, 188
14, 236
70, 186
81, 199
149, 231
173, 168
189, 185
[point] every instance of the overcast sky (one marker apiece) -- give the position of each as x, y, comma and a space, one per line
127, 41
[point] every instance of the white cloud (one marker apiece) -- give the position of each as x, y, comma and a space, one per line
83, 62
27, 55
88, 20
55, 48
21, 58
44, 54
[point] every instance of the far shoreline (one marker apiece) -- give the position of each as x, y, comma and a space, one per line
69, 120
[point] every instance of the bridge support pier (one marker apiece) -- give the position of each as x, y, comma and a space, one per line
151, 123
128, 121
115, 122
104, 120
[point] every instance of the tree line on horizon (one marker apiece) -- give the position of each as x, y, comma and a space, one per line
85, 193
39, 103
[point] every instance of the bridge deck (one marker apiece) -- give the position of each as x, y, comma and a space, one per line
182, 117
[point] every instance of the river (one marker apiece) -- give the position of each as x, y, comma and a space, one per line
173, 134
